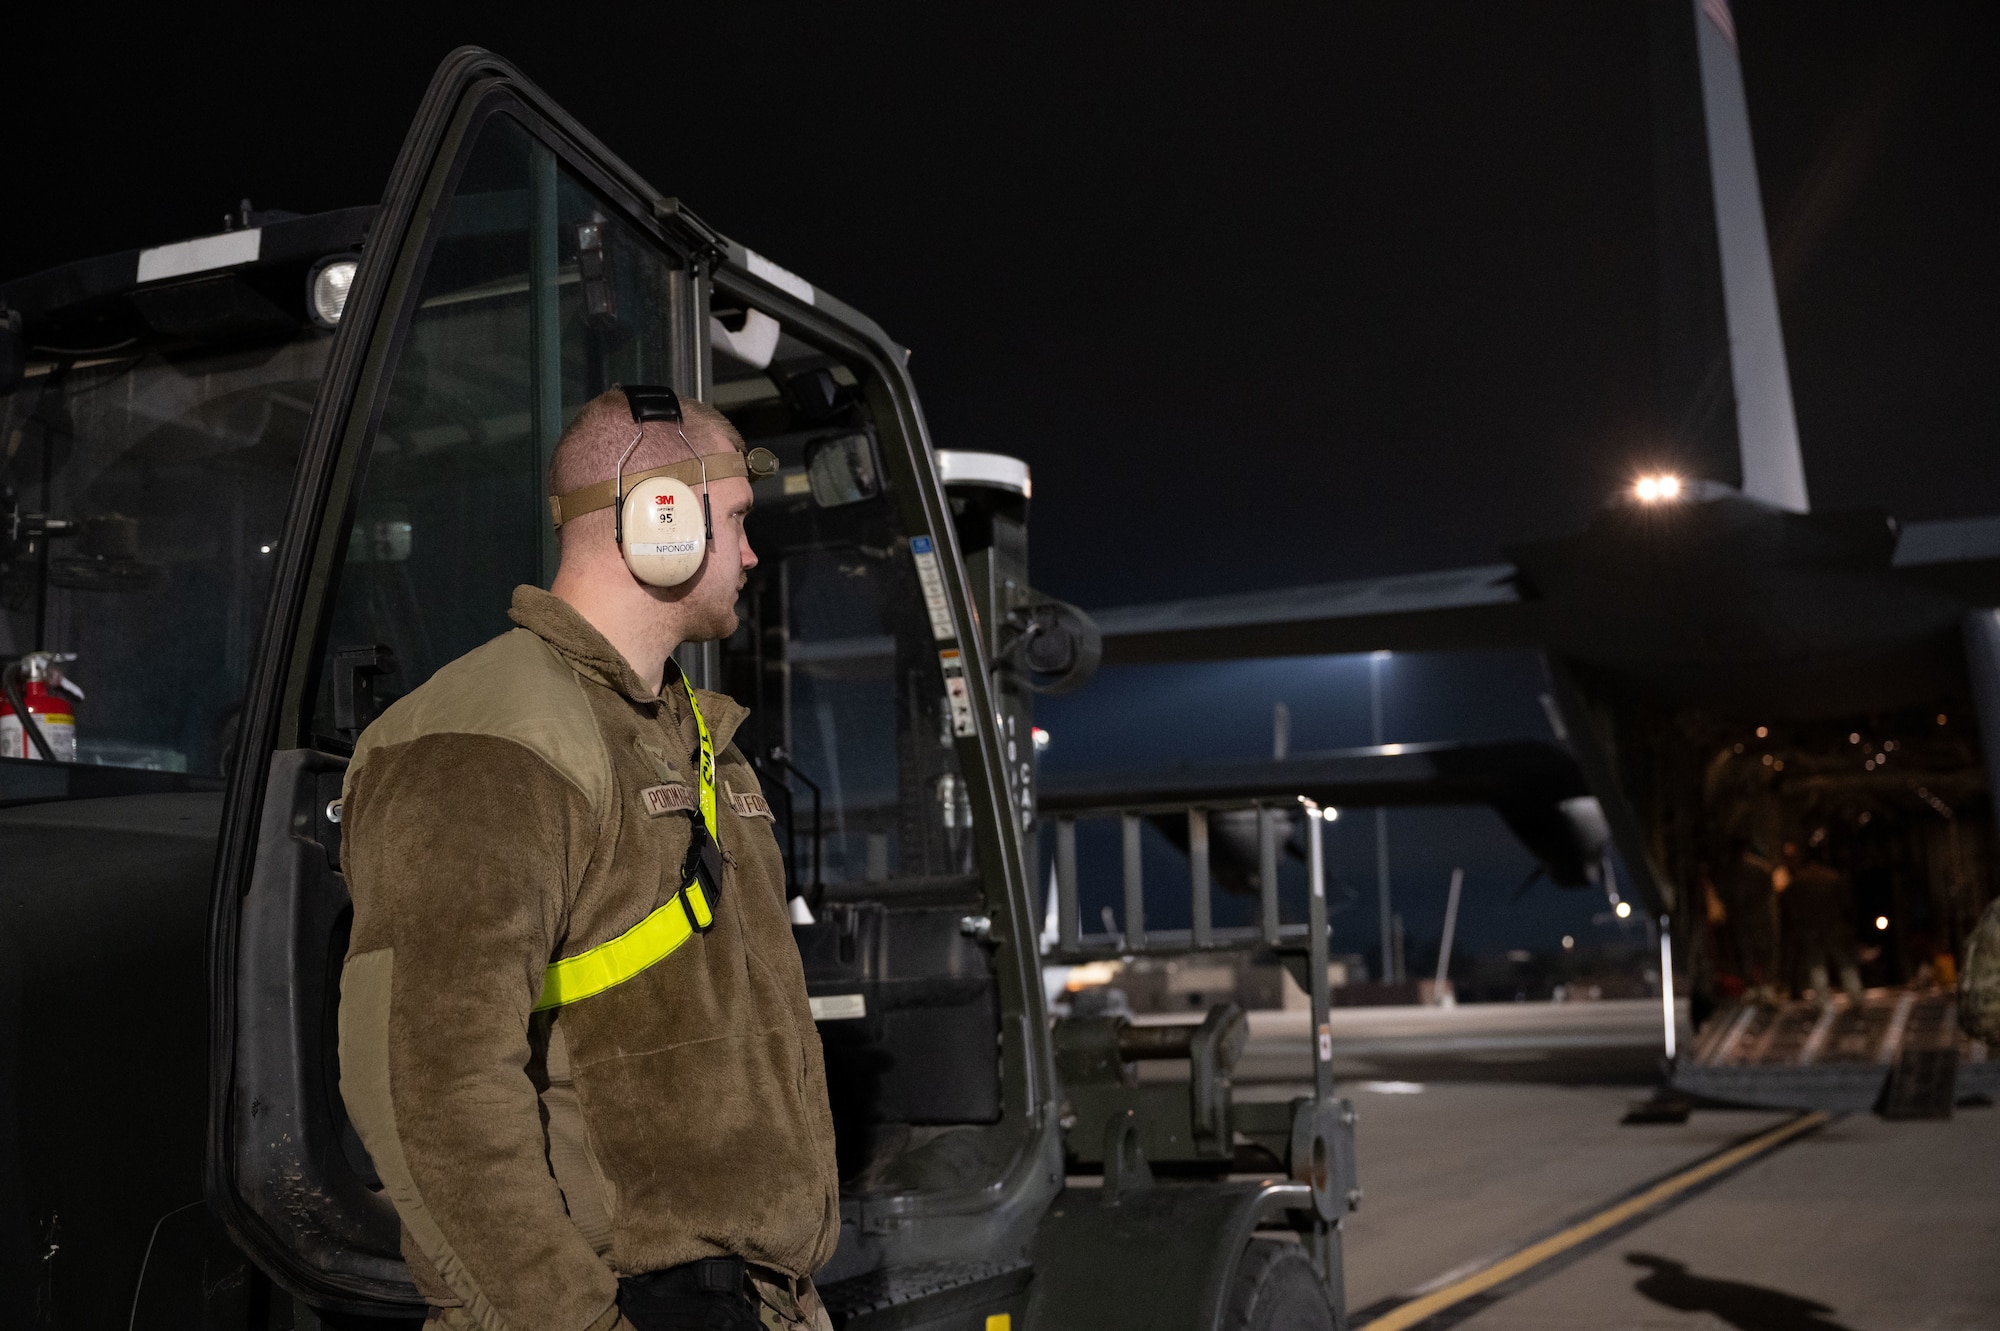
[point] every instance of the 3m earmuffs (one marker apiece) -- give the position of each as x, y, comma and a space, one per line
655, 523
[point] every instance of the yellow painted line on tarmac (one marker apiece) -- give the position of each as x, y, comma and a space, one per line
1428, 1305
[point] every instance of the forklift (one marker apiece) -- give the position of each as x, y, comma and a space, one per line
258, 484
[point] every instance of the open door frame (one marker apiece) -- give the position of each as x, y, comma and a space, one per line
290, 1191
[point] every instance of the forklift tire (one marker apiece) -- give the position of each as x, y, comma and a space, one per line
1275, 1288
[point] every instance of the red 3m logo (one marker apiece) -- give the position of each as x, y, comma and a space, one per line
663, 499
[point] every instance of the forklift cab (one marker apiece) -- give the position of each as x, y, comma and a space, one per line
888, 649
515, 271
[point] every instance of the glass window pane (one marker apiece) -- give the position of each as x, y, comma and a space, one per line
837, 655
535, 299
175, 472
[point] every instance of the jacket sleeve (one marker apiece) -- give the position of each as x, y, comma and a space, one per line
459, 852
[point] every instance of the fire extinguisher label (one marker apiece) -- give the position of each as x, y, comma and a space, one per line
58, 728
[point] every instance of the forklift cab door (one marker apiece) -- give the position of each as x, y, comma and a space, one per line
517, 269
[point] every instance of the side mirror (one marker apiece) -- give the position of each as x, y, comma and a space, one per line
1055, 645
842, 469
13, 349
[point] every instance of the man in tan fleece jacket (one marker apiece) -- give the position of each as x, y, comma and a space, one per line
652, 1148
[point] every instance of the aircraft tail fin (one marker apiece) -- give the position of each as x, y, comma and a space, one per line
1742, 351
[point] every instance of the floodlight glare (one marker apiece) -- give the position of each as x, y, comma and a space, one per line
1623, 909
1656, 489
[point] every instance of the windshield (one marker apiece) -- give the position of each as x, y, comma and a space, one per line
839, 655
141, 501
534, 300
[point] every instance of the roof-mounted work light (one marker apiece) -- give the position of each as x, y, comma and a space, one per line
326, 290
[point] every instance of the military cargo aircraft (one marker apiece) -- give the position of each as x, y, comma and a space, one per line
1756, 693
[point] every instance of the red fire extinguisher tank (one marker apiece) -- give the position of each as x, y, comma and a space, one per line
49, 707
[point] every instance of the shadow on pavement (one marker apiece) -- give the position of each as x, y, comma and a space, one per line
1745, 1307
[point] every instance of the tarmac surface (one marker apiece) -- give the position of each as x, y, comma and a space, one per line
1858, 1224
1863, 1224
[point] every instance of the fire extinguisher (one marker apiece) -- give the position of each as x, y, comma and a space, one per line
34, 685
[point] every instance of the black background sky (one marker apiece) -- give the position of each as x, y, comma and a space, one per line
1265, 295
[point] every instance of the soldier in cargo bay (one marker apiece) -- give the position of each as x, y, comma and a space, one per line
574, 1032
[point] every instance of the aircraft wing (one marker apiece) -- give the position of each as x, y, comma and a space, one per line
1389, 774
1920, 575
1957, 555
1537, 789
1470, 607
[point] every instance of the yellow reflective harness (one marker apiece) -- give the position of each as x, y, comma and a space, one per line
658, 936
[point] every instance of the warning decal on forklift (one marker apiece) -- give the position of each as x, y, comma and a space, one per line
932, 580
955, 691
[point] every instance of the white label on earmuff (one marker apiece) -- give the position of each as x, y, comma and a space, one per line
664, 541
931, 579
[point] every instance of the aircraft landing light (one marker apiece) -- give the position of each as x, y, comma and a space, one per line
1663, 487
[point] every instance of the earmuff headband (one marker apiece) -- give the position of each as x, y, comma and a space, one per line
721, 466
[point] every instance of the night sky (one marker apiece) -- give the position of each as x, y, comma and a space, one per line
1266, 295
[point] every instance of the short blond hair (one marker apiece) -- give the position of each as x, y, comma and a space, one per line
590, 447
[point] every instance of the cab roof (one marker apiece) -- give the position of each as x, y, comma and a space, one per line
246, 282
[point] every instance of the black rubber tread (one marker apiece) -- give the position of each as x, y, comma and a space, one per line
1275, 1288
